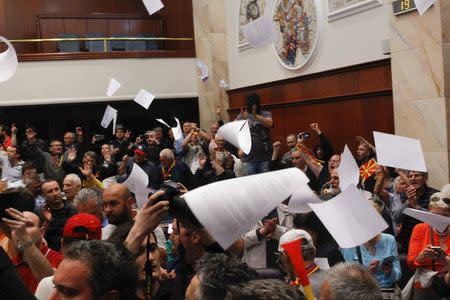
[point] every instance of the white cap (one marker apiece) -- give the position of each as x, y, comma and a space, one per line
296, 234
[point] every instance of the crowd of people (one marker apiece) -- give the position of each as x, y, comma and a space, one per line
70, 227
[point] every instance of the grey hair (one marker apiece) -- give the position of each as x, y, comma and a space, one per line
396, 182
111, 267
74, 178
167, 153
265, 289
88, 193
352, 281
157, 129
72, 135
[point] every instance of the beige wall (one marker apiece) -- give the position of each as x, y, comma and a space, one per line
87, 80
348, 41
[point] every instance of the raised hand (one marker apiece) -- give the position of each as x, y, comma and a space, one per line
72, 154
315, 128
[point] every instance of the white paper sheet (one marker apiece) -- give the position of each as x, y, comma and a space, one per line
153, 6
260, 32
8, 61
300, 199
169, 229
438, 222
399, 152
231, 207
162, 122
424, 5
348, 170
177, 131
203, 70
238, 134
144, 98
109, 115
350, 218
137, 182
322, 262
223, 84
113, 87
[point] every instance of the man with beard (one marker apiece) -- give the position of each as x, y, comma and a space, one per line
117, 204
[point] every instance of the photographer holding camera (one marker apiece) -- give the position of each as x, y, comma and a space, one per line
260, 123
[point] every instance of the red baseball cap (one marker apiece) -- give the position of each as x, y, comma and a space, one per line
141, 149
83, 226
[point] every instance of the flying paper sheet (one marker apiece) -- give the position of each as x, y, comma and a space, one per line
153, 6
162, 122
223, 84
169, 229
238, 134
399, 152
260, 32
424, 5
350, 218
231, 207
177, 131
137, 182
113, 86
109, 115
8, 61
438, 222
348, 170
300, 199
203, 70
144, 98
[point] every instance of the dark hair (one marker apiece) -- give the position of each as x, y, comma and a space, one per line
18, 198
112, 267
5, 128
265, 289
18, 150
28, 166
119, 235
218, 272
310, 222
253, 99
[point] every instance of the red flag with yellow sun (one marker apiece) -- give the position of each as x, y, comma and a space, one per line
368, 169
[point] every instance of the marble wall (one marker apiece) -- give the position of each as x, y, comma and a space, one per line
211, 49
420, 54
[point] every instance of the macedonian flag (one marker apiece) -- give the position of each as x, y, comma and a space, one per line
367, 169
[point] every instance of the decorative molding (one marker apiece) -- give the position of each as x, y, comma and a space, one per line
351, 10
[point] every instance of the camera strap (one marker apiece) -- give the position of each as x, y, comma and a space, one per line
148, 271
432, 244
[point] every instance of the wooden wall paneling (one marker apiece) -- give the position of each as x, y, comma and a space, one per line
97, 26
119, 26
346, 102
51, 28
75, 26
18, 17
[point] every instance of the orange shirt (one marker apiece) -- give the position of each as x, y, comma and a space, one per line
7, 245
420, 238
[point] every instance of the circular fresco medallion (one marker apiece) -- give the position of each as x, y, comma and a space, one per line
298, 28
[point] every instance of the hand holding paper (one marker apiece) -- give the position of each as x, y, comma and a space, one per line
350, 218
137, 182
177, 131
231, 207
238, 134
399, 152
348, 170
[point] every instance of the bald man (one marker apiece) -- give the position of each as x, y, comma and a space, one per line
117, 206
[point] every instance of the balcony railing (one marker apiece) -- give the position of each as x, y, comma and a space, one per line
107, 51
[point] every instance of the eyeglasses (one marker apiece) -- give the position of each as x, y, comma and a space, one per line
437, 199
